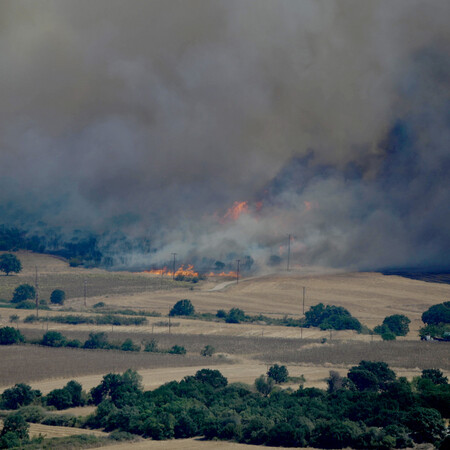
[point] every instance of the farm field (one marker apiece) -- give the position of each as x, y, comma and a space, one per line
242, 351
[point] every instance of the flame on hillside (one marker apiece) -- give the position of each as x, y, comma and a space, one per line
222, 274
165, 272
236, 211
187, 272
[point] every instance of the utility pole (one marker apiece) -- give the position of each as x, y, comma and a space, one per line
237, 270
85, 291
304, 292
173, 265
289, 252
36, 283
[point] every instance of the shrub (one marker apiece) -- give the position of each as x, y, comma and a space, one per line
57, 297
9, 336
23, 292
221, 314
97, 340
208, 350
177, 350
388, 336
151, 346
53, 339
99, 305
27, 304
398, 324
235, 315
264, 385
279, 374
129, 346
74, 343
15, 423
182, 308
31, 318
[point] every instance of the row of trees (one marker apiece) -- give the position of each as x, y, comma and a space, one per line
369, 408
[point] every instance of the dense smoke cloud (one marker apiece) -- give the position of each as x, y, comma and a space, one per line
329, 117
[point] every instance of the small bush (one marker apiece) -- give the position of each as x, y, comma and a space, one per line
31, 318
53, 339
177, 350
151, 346
99, 305
129, 346
9, 336
208, 350
27, 304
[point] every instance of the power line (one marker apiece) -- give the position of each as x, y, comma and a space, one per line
237, 270
289, 252
36, 283
173, 265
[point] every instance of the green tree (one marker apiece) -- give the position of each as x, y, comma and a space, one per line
177, 350
211, 377
23, 292
371, 375
97, 340
437, 314
397, 324
182, 308
264, 385
435, 376
10, 263
71, 395
53, 339
279, 374
19, 395
122, 389
235, 315
15, 423
57, 297
9, 336
129, 346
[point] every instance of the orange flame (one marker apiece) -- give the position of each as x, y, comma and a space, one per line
223, 274
188, 272
236, 210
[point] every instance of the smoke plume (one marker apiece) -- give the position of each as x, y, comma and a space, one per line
329, 118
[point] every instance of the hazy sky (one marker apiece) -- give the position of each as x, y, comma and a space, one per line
157, 115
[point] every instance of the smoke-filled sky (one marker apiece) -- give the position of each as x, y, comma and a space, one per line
330, 118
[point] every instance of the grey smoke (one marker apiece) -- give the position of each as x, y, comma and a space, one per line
154, 117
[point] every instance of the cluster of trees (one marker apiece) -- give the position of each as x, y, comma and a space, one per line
437, 321
393, 326
331, 317
369, 408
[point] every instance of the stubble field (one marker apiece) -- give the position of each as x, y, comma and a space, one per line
243, 351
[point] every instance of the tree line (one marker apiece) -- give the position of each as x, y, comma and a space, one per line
369, 408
